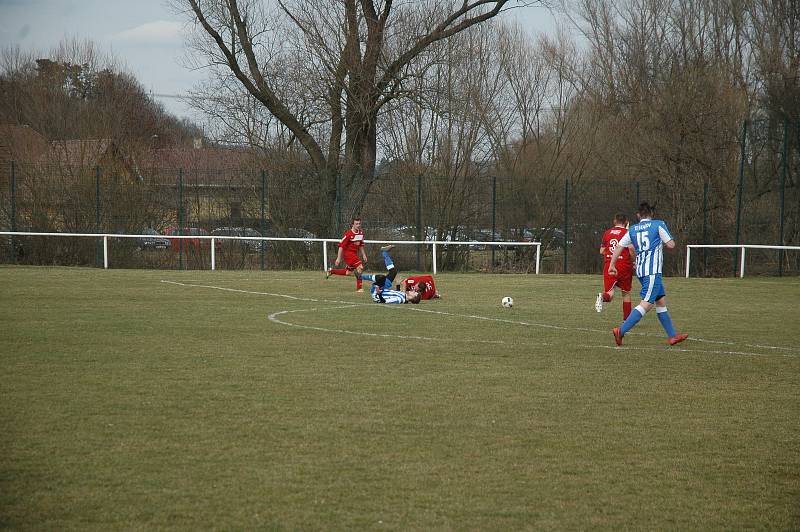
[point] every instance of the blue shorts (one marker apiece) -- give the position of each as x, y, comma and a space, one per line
652, 288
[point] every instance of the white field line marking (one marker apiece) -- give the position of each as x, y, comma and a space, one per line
274, 318
473, 316
684, 350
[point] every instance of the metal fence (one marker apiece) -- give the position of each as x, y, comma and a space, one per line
760, 205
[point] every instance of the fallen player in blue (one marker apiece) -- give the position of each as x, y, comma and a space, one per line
381, 290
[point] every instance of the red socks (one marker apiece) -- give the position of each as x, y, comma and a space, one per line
626, 310
359, 282
340, 271
606, 297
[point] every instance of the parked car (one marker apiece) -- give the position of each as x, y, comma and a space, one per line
296, 232
254, 246
156, 241
181, 244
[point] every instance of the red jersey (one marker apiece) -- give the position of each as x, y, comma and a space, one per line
610, 240
352, 241
430, 289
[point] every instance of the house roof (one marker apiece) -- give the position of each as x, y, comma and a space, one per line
204, 164
79, 153
21, 143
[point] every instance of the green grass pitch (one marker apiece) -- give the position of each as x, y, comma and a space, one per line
281, 400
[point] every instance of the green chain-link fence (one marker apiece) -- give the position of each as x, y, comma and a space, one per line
760, 205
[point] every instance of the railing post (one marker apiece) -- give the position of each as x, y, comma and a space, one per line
494, 215
324, 256
705, 226
538, 257
263, 214
434, 258
740, 191
741, 264
214, 255
419, 220
180, 218
97, 213
105, 252
566, 220
784, 156
688, 259
13, 250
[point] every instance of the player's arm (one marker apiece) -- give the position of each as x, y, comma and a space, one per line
340, 253
602, 250
364, 252
379, 292
666, 238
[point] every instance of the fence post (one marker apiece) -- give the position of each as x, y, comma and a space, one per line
494, 215
180, 218
740, 191
566, 220
263, 214
13, 249
98, 242
419, 220
705, 226
338, 202
784, 156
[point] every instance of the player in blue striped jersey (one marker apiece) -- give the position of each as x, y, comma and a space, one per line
647, 240
381, 291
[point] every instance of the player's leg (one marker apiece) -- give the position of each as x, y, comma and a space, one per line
387, 258
359, 283
608, 290
626, 304
624, 283
641, 309
673, 337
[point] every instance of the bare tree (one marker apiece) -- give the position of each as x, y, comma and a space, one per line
347, 58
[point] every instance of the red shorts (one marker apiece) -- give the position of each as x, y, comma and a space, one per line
352, 260
622, 280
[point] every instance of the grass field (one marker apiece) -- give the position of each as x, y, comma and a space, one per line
280, 400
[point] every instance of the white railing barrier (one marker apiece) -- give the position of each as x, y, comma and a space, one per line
324, 241
742, 247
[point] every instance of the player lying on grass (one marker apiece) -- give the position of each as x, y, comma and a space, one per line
424, 284
381, 290
647, 240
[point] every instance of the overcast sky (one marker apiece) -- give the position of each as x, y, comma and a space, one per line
144, 35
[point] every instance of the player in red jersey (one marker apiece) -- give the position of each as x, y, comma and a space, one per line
423, 283
350, 246
624, 275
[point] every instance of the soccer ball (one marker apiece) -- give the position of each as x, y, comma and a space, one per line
507, 302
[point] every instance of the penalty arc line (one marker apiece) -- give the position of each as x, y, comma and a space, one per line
470, 316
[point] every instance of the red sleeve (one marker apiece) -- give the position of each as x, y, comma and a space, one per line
348, 236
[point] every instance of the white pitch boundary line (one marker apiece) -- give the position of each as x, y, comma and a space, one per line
274, 318
470, 316
684, 350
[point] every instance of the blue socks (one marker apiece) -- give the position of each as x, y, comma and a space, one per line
637, 314
666, 321
387, 259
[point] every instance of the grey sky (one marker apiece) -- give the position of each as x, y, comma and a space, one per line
143, 34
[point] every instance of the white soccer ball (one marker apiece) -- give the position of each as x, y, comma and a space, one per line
507, 302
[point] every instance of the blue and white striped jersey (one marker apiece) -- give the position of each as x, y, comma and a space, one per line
389, 296
647, 237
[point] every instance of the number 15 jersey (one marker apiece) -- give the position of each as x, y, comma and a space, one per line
647, 237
